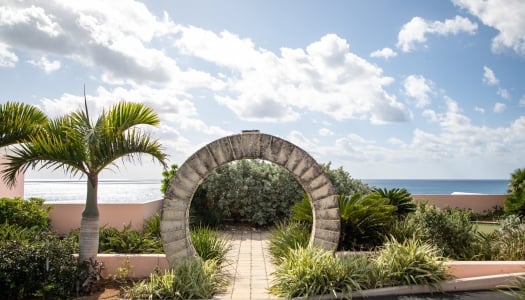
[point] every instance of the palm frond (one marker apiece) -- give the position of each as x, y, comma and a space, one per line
18, 121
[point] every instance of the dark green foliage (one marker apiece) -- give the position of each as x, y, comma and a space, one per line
25, 213
287, 236
42, 267
515, 201
167, 175
400, 198
250, 191
365, 220
152, 226
209, 244
449, 229
343, 183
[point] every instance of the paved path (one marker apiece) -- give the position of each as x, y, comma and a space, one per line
250, 266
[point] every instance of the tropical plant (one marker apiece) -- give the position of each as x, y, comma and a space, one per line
400, 198
302, 211
515, 201
508, 242
18, 122
79, 146
192, 279
365, 220
287, 236
410, 263
313, 272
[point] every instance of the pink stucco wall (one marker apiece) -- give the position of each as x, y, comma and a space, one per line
66, 216
478, 203
11, 192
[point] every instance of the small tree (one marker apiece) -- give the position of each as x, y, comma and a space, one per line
515, 201
79, 146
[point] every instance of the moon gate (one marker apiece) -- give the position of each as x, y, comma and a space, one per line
247, 145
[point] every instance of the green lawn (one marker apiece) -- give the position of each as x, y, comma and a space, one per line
487, 227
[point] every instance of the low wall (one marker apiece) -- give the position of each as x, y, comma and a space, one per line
478, 203
67, 216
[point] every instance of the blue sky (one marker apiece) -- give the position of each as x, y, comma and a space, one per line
384, 88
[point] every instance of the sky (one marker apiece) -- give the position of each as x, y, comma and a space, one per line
403, 89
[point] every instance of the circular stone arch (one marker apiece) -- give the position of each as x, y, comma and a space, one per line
247, 145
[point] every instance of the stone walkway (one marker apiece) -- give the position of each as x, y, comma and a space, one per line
250, 267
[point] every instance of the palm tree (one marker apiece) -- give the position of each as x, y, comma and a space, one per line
79, 147
18, 121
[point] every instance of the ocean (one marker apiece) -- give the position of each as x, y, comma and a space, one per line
139, 191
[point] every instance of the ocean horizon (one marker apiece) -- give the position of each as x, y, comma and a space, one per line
139, 191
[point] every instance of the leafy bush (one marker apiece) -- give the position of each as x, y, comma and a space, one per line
251, 191
309, 272
449, 229
287, 236
364, 221
515, 201
193, 279
25, 213
41, 267
408, 263
209, 244
16, 232
343, 183
508, 242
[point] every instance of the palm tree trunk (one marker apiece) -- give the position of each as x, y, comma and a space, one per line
89, 225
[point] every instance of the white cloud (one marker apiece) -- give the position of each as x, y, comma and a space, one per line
489, 77
325, 132
418, 88
415, 31
506, 16
503, 93
499, 107
7, 58
385, 53
324, 77
46, 65
99, 34
479, 109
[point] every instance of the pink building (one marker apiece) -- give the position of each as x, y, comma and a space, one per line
11, 192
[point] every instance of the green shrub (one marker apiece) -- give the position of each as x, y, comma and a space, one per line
302, 210
508, 242
449, 229
343, 183
25, 213
409, 263
193, 279
16, 232
287, 236
309, 272
209, 244
42, 267
515, 201
152, 226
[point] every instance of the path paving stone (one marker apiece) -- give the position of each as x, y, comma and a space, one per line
250, 267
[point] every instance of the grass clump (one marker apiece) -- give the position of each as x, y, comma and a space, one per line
409, 263
285, 237
310, 272
209, 244
192, 279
